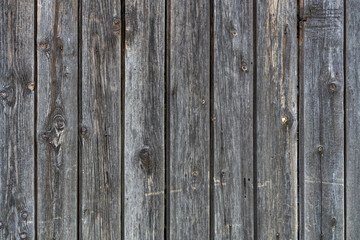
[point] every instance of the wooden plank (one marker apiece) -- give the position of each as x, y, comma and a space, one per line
233, 120
276, 119
144, 165
17, 119
189, 116
322, 119
57, 119
352, 21
100, 177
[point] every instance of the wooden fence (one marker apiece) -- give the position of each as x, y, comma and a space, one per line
175, 119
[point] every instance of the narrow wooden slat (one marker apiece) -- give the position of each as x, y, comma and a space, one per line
352, 163
144, 119
322, 119
189, 150
276, 119
233, 120
100, 154
16, 119
57, 119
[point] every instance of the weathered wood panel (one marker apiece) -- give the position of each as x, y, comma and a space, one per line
100, 118
57, 119
322, 119
189, 116
233, 120
276, 119
17, 119
352, 163
144, 151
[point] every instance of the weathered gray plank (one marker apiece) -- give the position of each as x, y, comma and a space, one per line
100, 193
189, 78
16, 119
233, 120
322, 119
276, 119
57, 119
352, 163
144, 165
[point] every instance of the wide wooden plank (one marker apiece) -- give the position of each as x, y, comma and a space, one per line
189, 116
233, 120
276, 119
57, 119
322, 119
100, 118
352, 163
144, 165
17, 209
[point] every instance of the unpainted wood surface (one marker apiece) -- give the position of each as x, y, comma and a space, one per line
189, 116
233, 120
17, 209
352, 163
276, 120
100, 120
144, 145
322, 124
57, 121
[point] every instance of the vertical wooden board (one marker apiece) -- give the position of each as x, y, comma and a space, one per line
16, 119
100, 156
233, 120
144, 165
322, 119
57, 119
189, 116
276, 119
352, 21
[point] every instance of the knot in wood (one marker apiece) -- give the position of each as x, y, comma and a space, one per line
195, 173
83, 130
23, 235
24, 215
59, 122
116, 24
320, 149
244, 67
332, 87
145, 159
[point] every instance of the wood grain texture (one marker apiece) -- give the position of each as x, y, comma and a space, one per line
322, 119
233, 120
100, 156
189, 116
17, 119
352, 163
57, 119
144, 150
276, 119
